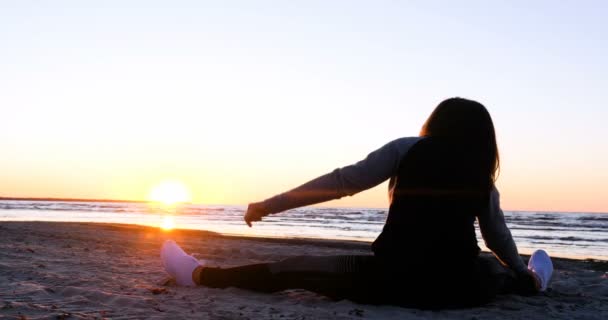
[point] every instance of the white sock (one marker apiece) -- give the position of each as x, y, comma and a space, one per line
541, 265
178, 264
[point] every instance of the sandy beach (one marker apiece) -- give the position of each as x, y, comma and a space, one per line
93, 271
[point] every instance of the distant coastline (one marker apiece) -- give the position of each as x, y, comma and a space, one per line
69, 200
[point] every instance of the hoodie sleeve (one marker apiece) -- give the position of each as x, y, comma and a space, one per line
376, 168
497, 235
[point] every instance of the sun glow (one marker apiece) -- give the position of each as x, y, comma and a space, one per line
168, 223
169, 193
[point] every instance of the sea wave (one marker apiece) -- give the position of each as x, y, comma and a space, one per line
573, 234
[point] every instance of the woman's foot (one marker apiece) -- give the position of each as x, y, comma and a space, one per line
541, 265
178, 264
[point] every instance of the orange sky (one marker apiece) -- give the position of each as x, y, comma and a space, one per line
243, 102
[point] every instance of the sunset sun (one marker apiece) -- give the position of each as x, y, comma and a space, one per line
169, 193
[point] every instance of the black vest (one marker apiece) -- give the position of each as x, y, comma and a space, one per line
435, 198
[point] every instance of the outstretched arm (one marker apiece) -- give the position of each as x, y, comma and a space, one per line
497, 235
376, 168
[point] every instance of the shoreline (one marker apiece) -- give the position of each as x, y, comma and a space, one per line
327, 242
107, 270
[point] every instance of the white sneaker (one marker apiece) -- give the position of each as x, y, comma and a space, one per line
541, 265
178, 264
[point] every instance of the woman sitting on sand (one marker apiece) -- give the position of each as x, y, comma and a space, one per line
426, 255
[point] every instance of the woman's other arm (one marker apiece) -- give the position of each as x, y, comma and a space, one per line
497, 235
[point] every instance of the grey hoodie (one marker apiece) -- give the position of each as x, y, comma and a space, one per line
379, 166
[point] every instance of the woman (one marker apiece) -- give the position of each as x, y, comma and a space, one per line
426, 255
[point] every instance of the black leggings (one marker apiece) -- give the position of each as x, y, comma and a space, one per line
365, 279
332, 276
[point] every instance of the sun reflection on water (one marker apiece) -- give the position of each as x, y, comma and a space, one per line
167, 223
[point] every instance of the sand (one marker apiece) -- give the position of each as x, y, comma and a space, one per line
93, 271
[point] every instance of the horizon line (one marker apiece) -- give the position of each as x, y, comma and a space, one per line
50, 199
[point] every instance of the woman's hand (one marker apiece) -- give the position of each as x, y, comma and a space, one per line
527, 282
255, 212
534, 276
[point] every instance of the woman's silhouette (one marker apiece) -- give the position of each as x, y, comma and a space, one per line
426, 255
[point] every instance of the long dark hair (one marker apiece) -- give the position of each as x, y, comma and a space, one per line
468, 123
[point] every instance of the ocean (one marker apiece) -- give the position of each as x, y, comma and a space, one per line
571, 235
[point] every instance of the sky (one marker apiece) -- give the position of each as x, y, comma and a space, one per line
241, 100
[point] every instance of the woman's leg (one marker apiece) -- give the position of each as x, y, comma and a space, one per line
329, 275
253, 277
501, 280
333, 276
540, 270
